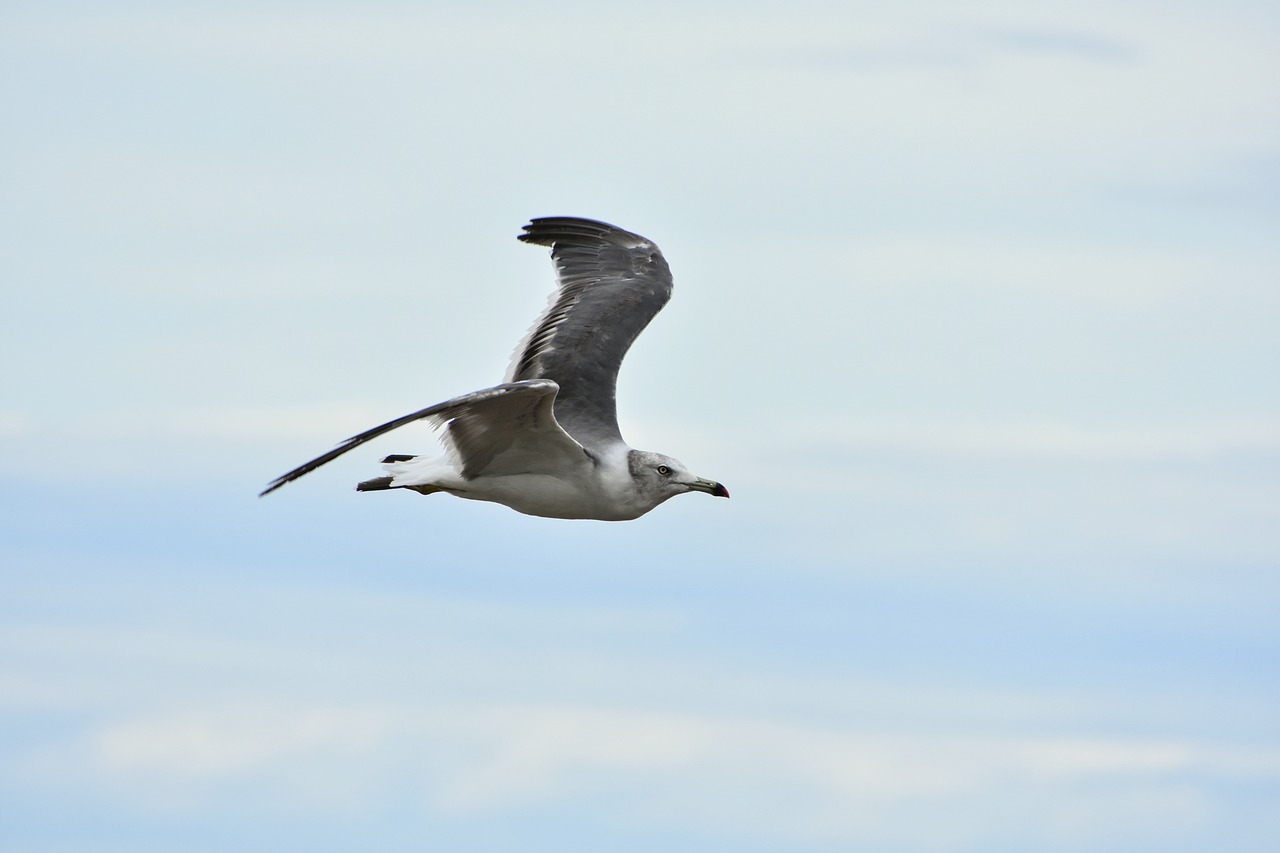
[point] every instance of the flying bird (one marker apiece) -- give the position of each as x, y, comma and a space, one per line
546, 441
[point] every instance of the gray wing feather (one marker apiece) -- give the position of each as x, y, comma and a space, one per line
511, 432
611, 284
481, 427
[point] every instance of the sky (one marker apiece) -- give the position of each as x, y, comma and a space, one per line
975, 315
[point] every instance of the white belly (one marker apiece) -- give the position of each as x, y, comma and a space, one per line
550, 497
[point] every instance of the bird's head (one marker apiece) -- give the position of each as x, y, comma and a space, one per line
660, 477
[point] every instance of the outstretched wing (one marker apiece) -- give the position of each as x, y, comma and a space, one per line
611, 284
509, 428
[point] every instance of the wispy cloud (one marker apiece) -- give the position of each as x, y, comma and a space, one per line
1084, 272
724, 775
318, 424
14, 424
471, 710
907, 48
1077, 44
1046, 440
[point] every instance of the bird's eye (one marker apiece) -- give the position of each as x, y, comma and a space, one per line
664, 470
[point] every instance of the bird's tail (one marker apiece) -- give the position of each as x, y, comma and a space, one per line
377, 484
395, 464
381, 484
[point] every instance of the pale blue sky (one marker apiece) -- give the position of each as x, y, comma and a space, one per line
975, 314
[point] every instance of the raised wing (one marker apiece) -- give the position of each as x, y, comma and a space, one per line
509, 428
611, 284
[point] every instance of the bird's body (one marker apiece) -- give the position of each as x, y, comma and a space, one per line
585, 488
546, 441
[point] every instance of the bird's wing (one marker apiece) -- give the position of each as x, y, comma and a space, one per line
509, 428
611, 284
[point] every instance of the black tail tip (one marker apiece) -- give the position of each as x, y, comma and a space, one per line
377, 484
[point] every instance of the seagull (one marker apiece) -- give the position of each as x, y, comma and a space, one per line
546, 441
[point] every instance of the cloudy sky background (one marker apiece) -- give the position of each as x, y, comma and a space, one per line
975, 314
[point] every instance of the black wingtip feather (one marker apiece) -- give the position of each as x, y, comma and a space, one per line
549, 230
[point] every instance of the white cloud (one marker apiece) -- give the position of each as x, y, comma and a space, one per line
478, 711
14, 425
947, 435
200, 744
725, 775
1085, 272
319, 424
1045, 439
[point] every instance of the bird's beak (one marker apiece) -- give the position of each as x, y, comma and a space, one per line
711, 487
